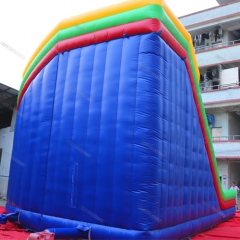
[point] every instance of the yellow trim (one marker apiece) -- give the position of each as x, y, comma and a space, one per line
108, 11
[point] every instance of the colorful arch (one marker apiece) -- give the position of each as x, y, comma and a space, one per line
142, 10
109, 11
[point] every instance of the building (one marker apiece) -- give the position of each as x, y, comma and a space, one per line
8, 100
216, 37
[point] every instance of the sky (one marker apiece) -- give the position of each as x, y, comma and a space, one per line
23, 25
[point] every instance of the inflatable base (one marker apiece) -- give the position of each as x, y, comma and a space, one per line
41, 222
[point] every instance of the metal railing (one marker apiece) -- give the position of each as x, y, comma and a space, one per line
209, 86
227, 138
217, 45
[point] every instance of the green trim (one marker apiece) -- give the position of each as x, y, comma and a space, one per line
226, 194
151, 11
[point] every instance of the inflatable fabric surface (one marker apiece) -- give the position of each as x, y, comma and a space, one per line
135, 11
114, 139
110, 140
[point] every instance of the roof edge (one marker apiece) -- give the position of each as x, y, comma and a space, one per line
205, 10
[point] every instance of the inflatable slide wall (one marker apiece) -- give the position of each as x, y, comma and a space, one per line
112, 141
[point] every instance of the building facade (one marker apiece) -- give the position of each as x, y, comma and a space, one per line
216, 37
8, 99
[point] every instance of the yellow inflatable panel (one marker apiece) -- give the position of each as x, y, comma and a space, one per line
112, 10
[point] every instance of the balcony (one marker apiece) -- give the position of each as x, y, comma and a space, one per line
219, 54
227, 148
225, 95
211, 86
216, 46
226, 138
210, 14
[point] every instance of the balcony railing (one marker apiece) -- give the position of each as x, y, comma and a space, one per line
227, 138
217, 45
209, 86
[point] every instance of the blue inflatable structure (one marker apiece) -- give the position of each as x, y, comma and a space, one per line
110, 139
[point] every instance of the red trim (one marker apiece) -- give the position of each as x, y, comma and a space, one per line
141, 27
223, 204
131, 29
205, 10
172, 42
179, 50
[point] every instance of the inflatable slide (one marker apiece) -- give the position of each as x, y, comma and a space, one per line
112, 141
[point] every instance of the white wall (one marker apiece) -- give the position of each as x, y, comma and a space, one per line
230, 172
6, 143
223, 172
218, 56
234, 124
229, 149
229, 76
234, 176
234, 173
221, 120
226, 94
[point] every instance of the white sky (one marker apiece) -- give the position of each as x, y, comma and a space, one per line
23, 25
